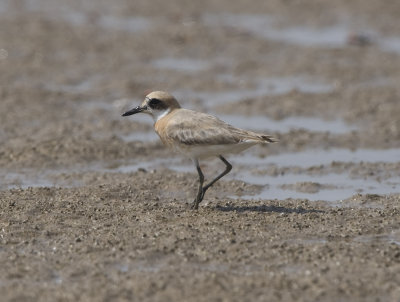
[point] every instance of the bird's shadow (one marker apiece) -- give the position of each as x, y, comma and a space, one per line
265, 208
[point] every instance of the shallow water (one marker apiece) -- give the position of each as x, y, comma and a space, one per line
340, 186
308, 158
329, 187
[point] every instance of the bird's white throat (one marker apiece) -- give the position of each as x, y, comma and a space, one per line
157, 115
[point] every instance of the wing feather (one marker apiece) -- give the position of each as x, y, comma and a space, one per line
195, 128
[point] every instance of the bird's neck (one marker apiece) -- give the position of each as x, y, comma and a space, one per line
160, 114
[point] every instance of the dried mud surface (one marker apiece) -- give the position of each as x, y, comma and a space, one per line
76, 226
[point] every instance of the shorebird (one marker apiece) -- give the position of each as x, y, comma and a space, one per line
196, 135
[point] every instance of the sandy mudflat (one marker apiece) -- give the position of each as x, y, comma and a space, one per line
94, 208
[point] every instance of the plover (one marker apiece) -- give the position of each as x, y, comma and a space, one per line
196, 135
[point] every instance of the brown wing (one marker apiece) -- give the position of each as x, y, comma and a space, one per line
195, 128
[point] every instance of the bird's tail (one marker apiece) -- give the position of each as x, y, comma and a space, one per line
268, 138
260, 137
255, 137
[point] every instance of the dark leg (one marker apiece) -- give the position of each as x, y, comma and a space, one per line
202, 190
200, 194
226, 171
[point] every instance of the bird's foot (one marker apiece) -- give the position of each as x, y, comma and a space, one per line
195, 205
198, 199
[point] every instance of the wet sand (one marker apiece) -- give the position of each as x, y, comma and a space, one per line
94, 208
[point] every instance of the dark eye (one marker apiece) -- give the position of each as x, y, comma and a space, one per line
153, 103
157, 104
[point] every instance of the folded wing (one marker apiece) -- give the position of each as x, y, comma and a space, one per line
194, 128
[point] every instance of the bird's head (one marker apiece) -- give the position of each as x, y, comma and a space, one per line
157, 104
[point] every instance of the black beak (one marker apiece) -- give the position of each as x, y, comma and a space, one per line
134, 110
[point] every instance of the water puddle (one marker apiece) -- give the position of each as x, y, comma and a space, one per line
262, 123
331, 187
182, 64
328, 187
309, 158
